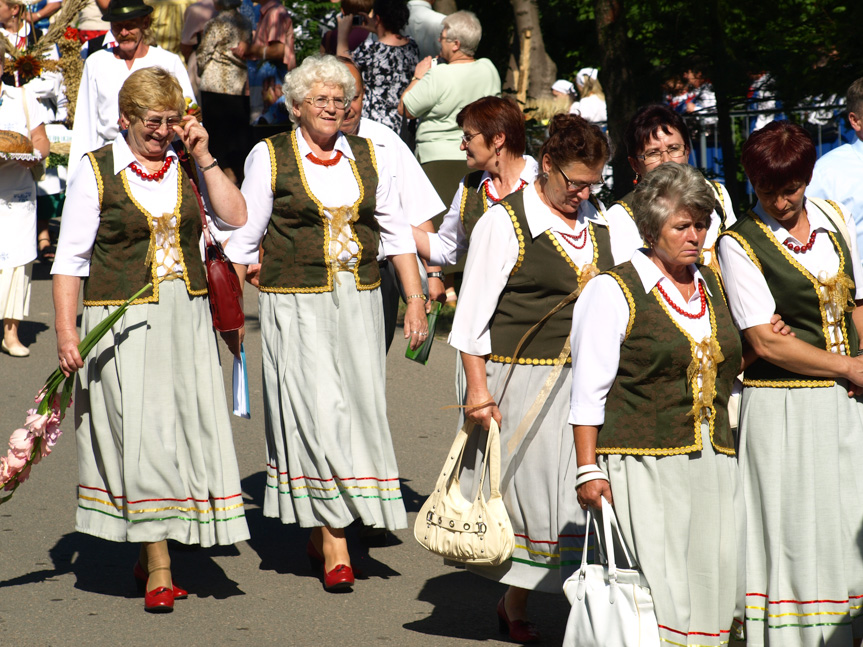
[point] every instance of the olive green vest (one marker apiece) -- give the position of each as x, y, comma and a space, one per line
296, 245
118, 266
474, 200
796, 293
543, 275
650, 403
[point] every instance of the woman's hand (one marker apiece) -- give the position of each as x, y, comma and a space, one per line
422, 67
253, 274
591, 493
780, 327
480, 407
416, 325
234, 340
67, 351
196, 140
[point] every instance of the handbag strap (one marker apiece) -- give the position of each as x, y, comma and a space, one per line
453, 461
186, 165
492, 460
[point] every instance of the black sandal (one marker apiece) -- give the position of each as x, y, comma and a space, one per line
47, 253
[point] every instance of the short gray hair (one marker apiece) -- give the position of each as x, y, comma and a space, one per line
317, 69
666, 190
464, 27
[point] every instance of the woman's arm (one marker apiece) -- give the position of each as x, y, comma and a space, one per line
225, 198
65, 314
592, 492
419, 72
480, 406
415, 325
40, 143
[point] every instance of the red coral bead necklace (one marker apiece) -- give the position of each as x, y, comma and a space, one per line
689, 315
578, 241
151, 177
314, 159
802, 249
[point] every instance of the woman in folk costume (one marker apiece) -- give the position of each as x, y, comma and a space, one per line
801, 422
655, 354
322, 203
155, 451
528, 254
655, 135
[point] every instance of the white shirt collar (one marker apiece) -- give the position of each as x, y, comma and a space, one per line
817, 220
341, 145
540, 219
123, 155
650, 274
528, 173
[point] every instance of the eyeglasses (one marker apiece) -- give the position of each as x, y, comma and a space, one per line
578, 187
466, 137
675, 151
322, 102
153, 123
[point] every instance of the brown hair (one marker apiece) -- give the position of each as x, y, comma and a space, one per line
778, 154
493, 115
572, 138
854, 98
356, 6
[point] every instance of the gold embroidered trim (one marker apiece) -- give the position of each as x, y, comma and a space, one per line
151, 225
273, 168
566, 257
317, 290
629, 300
676, 451
178, 212
745, 245
789, 384
500, 359
519, 234
99, 184
626, 207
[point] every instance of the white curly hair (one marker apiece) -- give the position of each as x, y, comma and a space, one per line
317, 69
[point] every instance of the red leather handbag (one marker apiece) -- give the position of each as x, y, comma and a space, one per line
223, 284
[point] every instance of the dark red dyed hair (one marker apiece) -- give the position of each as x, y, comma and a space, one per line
574, 139
492, 115
778, 154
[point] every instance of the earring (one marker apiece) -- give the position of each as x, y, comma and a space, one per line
637, 178
544, 175
497, 152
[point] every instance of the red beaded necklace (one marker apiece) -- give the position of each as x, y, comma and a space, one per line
701, 295
802, 249
330, 162
578, 241
158, 175
521, 185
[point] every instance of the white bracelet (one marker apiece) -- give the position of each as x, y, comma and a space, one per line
584, 469
590, 476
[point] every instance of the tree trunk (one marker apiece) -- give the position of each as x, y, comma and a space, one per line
543, 71
445, 6
615, 76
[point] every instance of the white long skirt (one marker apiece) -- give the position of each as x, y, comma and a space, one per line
537, 480
330, 457
15, 291
155, 450
683, 518
801, 461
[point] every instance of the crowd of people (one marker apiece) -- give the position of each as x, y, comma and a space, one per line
697, 369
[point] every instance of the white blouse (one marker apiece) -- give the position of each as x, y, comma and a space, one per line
81, 212
334, 186
599, 322
749, 297
493, 254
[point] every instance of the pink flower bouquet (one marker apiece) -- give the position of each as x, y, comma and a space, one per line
35, 440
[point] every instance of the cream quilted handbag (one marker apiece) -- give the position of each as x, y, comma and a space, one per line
471, 532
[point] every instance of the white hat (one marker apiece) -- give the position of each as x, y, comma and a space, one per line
586, 73
566, 87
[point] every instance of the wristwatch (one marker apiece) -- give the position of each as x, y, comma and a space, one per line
435, 275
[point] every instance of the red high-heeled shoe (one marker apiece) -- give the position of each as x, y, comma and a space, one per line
141, 582
341, 578
520, 631
160, 600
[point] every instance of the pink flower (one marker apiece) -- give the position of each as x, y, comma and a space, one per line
36, 422
15, 463
21, 443
52, 431
25, 474
5, 472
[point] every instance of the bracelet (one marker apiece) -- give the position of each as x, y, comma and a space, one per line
415, 78
585, 469
215, 163
415, 296
435, 275
590, 476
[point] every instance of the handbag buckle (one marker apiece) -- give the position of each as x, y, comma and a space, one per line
481, 528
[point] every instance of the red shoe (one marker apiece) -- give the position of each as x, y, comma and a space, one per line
341, 578
159, 600
520, 631
141, 582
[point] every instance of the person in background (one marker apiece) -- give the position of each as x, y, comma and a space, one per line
17, 211
105, 71
424, 26
386, 63
90, 23
419, 201
358, 32
837, 175
167, 23
196, 18
40, 12
591, 106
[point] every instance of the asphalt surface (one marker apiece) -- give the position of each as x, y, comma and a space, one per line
60, 587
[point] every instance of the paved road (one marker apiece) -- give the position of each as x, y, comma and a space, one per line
59, 587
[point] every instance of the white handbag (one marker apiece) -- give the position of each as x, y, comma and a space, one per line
610, 605
471, 532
